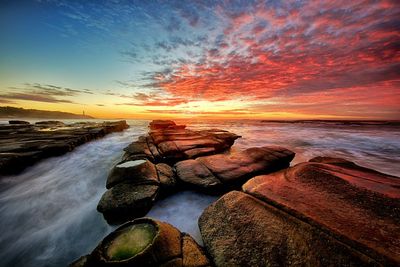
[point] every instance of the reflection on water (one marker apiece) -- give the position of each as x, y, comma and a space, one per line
48, 213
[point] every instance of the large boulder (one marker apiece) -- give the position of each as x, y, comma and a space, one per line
135, 171
326, 212
145, 242
224, 171
126, 201
134, 186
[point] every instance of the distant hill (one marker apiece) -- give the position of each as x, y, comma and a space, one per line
12, 112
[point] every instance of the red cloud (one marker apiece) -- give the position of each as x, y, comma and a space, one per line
317, 48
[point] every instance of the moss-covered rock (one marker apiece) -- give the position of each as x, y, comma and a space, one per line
145, 242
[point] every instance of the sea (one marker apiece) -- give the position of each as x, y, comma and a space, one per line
48, 212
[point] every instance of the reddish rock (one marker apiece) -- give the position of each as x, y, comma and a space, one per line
170, 143
326, 212
167, 178
240, 230
356, 205
225, 170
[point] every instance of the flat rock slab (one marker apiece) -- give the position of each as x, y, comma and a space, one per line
218, 172
23, 144
169, 143
326, 212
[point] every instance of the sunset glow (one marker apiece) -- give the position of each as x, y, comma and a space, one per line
212, 59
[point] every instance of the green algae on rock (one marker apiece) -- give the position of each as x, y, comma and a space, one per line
131, 241
145, 242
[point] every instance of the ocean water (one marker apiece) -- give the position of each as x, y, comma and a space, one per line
48, 213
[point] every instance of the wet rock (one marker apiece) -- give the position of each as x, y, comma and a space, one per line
81, 262
240, 230
226, 170
195, 174
18, 122
356, 205
170, 143
133, 171
50, 123
167, 178
164, 124
134, 186
146, 242
326, 212
22, 145
192, 253
138, 149
126, 201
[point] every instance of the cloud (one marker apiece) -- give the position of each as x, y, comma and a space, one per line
287, 50
34, 97
154, 99
43, 93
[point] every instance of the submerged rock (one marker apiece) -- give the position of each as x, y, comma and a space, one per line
223, 171
326, 212
145, 242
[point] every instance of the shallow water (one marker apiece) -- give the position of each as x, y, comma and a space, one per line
48, 213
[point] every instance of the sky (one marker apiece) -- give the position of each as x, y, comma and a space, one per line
288, 59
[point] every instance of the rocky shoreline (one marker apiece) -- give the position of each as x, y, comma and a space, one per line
325, 212
23, 144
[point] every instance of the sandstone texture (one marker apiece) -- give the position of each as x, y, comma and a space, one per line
326, 212
170, 143
223, 171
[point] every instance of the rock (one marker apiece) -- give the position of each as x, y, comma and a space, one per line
146, 242
326, 212
356, 205
137, 182
138, 149
135, 186
50, 123
22, 145
226, 170
18, 122
170, 143
127, 201
196, 175
166, 177
240, 230
134, 171
164, 124
81, 262
192, 253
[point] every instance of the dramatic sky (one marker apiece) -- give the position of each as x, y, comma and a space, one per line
286, 59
